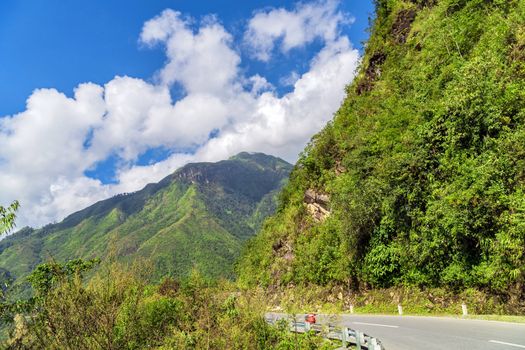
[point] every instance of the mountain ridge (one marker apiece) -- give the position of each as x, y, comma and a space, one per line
196, 217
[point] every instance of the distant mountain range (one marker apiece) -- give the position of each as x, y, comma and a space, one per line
197, 217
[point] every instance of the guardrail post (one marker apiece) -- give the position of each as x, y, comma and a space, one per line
464, 309
399, 309
358, 340
344, 337
351, 309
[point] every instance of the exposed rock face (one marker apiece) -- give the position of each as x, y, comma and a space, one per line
372, 73
402, 25
283, 249
192, 174
317, 204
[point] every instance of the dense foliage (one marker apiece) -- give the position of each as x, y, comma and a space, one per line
424, 163
197, 217
118, 309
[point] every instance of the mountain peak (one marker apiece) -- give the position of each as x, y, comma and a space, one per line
250, 174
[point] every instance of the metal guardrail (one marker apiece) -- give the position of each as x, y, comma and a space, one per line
346, 335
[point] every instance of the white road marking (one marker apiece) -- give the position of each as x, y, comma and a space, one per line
376, 324
509, 344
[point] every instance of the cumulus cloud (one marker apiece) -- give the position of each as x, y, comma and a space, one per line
42, 149
296, 28
283, 125
46, 150
193, 56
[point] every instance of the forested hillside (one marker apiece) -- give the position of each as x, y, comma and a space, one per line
197, 217
419, 180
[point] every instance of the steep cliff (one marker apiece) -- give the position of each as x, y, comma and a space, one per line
419, 179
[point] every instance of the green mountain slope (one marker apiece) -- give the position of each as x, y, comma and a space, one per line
420, 178
195, 218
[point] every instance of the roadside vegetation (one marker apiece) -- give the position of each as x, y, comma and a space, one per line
118, 309
414, 301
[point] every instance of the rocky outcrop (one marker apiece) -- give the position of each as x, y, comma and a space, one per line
317, 204
372, 73
402, 25
283, 249
193, 174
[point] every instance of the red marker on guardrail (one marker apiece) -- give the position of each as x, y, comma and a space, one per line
310, 318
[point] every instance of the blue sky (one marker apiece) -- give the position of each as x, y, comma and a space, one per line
272, 55
56, 43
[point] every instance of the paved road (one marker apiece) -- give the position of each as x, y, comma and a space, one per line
433, 333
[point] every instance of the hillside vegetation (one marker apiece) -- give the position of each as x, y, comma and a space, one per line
419, 180
196, 218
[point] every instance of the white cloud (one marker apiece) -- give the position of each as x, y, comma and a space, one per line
296, 28
130, 104
43, 146
45, 150
290, 79
283, 125
193, 57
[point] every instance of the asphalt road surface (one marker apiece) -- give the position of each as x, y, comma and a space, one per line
432, 333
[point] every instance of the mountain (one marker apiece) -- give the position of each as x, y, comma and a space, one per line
419, 180
196, 217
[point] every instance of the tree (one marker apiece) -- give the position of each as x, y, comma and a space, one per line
8, 216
